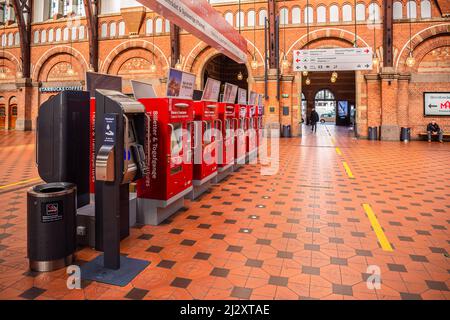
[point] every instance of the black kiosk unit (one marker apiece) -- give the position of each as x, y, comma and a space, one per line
62, 141
120, 126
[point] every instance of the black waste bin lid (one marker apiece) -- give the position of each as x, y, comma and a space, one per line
55, 189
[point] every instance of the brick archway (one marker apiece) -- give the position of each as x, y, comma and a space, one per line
431, 35
130, 45
327, 33
7, 55
55, 51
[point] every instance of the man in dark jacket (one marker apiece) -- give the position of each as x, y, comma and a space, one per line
314, 118
433, 128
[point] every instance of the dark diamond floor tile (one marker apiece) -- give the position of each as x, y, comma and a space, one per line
311, 270
285, 255
254, 263
181, 283
312, 247
166, 264
241, 293
342, 289
338, 261
410, 296
155, 249
32, 293
188, 243
176, 231
396, 267
234, 248
363, 253
145, 236
136, 294
418, 258
220, 272
278, 281
202, 256
218, 236
436, 285
264, 242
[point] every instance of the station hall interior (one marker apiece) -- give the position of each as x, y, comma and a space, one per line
331, 177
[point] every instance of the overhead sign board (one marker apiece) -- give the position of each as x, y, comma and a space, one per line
203, 21
339, 59
436, 103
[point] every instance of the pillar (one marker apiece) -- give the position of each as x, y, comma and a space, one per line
403, 100
390, 129
24, 104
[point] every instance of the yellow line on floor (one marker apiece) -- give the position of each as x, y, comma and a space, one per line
19, 183
333, 141
338, 151
347, 169
385, 245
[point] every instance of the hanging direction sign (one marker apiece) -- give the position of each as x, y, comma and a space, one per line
203, 21
339, 59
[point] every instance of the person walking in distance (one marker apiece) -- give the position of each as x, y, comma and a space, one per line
314, 119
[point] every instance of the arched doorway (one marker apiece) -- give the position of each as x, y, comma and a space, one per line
222, 68
325, 105
12, 112
2, 113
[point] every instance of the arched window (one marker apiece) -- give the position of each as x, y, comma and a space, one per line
284, 16
411, 10
73, 32
324, 94
167, 26
360, 12
398, 10
36, 37
374, 12
104, 30
321, 14
66, 34
3, 40
43, 36
121, 29
58, 34
113, 29
158, 25
50, 35
81, 32
425, 9
296, 15
229, 18
10, 39
240, 19
262, 17
309, 15
334, 13
17, 39
251, 18
149, 26
347, 13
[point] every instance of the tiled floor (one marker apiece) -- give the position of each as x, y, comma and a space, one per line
300, 234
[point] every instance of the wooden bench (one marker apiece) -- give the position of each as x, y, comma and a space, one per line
434, 135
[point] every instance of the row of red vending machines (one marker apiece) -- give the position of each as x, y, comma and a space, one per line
189, 145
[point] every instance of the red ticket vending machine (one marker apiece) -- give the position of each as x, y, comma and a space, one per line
260, 125
206, 122
226, 140
251, 146
240, 125
161, 193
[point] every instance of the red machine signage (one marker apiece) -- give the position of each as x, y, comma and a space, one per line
202, 20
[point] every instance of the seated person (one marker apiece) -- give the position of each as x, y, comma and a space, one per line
433, 128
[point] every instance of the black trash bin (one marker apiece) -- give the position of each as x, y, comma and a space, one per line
373, 133
51, 226
405, 134
286, 131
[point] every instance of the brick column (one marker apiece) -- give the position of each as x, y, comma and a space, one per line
403, 100
373, 100
24, 104
390, 129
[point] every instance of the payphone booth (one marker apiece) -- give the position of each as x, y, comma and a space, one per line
206, 122
120, 159
226, 140
251, 139
240, 125
161, 193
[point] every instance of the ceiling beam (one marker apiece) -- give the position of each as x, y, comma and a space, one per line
91, 9
388, 34
23, 11
174, 44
